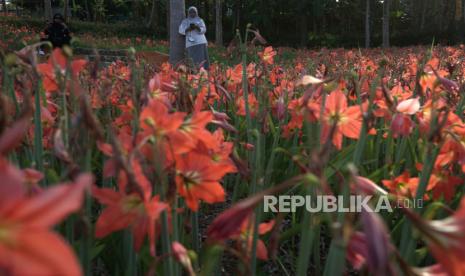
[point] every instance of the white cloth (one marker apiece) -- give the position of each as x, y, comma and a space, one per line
193, 37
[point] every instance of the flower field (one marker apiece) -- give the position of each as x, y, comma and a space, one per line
128, 170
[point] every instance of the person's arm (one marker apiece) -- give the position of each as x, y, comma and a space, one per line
182, 28
202, 27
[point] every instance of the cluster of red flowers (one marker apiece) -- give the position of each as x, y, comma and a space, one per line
168, 141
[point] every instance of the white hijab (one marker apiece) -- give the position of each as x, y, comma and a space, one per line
193, 20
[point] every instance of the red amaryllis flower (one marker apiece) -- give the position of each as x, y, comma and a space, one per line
219, 150
443, 184
27, 244
267, 56
191, 132
451, 151
445, 239
57, 63
160, 87
427, 81
156, 120
198, 178
403, 185
141, 212
228, 224
253, 105
401, 124
348, 120
233, 77
425, 116
246, 236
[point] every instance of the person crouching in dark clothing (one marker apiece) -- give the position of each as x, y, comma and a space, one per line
57, 32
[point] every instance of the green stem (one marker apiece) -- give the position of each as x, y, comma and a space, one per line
38, 145
307, 236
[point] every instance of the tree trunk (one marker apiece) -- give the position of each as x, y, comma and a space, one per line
88, 14
48, 10
237, 15
136, 10
386, 12
167, 2
65, 9
458, 10
301, 23
219, 23
423, 14
463, 14
5, 10
367, 24
177, 43
303, 30
458, 26
152, 23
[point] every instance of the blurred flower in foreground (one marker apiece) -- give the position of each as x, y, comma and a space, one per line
58, 63
27, 244
371, 247
445, 239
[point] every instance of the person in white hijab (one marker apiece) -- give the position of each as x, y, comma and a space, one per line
193, 27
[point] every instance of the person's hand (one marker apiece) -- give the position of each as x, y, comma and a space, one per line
193, 27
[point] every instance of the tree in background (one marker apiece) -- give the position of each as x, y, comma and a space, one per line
219, 23
65, 9
386, 15
48, 10
367, 24
177, 43
304, 23
458, 23
152, 22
